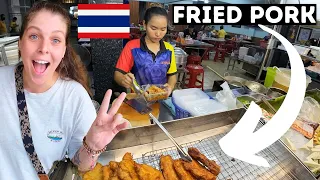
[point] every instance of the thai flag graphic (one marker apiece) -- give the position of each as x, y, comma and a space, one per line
104, 21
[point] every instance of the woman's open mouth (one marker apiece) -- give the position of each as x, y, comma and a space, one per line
40, 66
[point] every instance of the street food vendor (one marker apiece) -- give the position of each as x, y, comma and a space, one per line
149, 60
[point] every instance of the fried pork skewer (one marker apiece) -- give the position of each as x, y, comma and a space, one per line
210, 164
198, 171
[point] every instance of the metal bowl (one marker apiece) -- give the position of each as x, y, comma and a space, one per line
256, 87
275, 92
235, 81
259, 96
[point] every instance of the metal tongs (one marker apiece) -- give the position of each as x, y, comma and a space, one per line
185, 156
137, 89
269, 105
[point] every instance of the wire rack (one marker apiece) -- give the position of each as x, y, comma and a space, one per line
230, 168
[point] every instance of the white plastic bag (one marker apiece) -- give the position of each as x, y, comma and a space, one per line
226, 97
310, 110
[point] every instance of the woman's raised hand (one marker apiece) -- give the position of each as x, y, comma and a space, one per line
107, 124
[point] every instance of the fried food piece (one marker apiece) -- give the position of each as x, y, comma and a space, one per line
182, 173
114, 178
114, 166
155, 93
124, 175
107, 172
146, 172
127, 156
126, 168
198, 171
166, 165
94, 174
210, 164
155, 90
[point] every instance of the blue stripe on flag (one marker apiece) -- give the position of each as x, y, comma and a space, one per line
103, 21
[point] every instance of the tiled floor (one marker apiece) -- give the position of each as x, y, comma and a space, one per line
221, 68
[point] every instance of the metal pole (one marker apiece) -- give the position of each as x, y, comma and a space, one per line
270, 46
266, 56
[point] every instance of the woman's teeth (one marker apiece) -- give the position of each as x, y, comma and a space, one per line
41, 62
40, 66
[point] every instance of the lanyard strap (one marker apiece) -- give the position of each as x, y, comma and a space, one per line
25, 124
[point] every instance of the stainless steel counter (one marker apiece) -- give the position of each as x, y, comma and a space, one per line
149, 142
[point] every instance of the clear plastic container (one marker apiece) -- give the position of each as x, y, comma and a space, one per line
184, 96
205, 107
151, 94
282, 79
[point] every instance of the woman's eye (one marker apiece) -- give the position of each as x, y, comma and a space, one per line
154, 28
33, 37
56, 41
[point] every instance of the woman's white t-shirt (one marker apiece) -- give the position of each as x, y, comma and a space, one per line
59, 119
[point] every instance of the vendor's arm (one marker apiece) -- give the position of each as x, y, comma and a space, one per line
122, 74
124, 80
172, 81
172, 72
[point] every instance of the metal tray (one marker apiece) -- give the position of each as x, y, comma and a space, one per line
149, 142
230, 167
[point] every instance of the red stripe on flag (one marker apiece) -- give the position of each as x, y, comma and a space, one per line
104, 6
105, 35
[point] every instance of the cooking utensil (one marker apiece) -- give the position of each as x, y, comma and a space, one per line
232, 80
258, 96
265, 101
256, 87
182, 153
185, 156
136, 87
275, 92
138, 90
137, 105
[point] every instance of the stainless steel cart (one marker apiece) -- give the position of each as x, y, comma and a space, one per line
148, 143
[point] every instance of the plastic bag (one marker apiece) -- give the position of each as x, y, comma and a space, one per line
304, 127
310, 110
226, 97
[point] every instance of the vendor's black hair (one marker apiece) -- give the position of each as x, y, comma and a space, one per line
2, 17
221, 27
158, 11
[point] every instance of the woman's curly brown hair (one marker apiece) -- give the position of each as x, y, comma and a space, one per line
71, 67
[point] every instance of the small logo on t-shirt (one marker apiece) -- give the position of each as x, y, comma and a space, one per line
165, 62
55, 136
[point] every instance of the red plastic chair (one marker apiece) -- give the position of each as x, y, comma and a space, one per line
194, 59
220, 54
194, 71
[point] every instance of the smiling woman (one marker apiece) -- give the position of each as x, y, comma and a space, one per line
37, 38
47, 96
